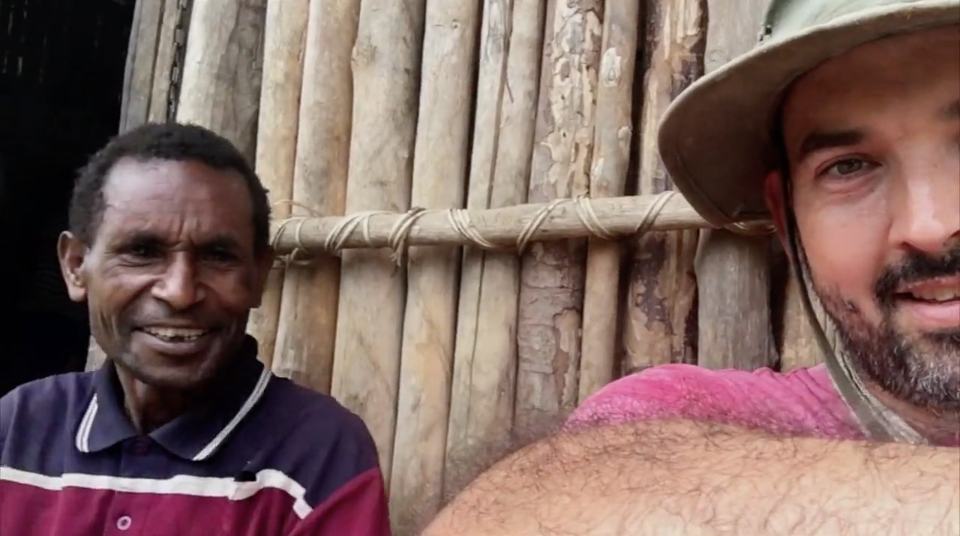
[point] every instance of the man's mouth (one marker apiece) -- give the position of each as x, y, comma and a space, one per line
936, 291
168, 334
931, 305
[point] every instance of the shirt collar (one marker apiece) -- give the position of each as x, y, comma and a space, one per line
197, 434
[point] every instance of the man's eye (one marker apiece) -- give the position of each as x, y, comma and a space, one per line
145, 252
218, 256
847, 167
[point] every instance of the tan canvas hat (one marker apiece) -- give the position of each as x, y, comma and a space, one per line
715, 139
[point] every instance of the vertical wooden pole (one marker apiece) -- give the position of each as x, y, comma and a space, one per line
552, 274
308, 311
163, 63
800, 349
441, 159
386, 67
140, 70
485, 355
733, 271
608, 177
659, 310
223, 69
284, 34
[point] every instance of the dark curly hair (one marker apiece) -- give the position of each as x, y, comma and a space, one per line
163, 141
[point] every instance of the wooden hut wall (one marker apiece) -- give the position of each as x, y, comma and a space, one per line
355, 110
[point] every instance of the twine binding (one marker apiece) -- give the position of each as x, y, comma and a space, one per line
460, 221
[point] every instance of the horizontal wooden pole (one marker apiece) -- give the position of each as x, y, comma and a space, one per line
505, 228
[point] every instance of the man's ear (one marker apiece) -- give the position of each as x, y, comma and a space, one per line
773, 193
264, 265
72, 252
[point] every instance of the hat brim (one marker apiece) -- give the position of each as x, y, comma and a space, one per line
715, 138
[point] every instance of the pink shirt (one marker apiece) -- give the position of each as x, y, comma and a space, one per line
800, 402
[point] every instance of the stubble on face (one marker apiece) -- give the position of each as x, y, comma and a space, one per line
920, 368
874, 167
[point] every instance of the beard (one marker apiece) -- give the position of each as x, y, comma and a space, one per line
922, 369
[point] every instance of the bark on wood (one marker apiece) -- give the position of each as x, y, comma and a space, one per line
284, 33
386, 66
441, 159
139, 73
485, 358
611, 158
223, 69
552, 276
305, 338
733, 271
659, 313
160, 94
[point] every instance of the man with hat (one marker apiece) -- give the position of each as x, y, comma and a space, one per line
842, 127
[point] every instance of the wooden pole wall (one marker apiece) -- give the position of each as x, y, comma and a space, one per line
283, 48
733, 271
608, 177
163, 63
441, 159
223, 68
659, 309
308, 313
141, 68
386, 72
552, 274
485, 354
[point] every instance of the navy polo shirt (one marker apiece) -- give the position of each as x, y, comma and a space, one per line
265, 457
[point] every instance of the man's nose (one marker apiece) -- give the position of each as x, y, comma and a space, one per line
928, 218
179, 286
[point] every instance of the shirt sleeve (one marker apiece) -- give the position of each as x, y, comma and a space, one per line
7, 403
358, 508
668, 391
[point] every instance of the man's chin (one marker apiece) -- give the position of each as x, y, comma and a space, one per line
922, 370
917, 363
182, 372
180, 377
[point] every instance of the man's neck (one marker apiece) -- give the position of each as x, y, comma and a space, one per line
940, 428
149, 407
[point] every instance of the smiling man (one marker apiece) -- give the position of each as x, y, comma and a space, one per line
843, 127
182, 431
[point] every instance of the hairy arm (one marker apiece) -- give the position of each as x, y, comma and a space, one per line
685, 477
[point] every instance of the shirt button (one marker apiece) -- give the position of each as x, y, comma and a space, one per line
124, 523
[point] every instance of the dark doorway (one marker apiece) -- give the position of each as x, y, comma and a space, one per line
61, 77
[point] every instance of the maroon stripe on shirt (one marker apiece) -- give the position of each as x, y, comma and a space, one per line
357, 508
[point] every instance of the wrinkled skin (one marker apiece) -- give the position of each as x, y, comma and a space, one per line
175, 248
873, 146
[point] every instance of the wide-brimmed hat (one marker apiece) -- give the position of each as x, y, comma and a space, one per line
715, 138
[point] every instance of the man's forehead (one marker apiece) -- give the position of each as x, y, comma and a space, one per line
913, 76
135, 181
138, 192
